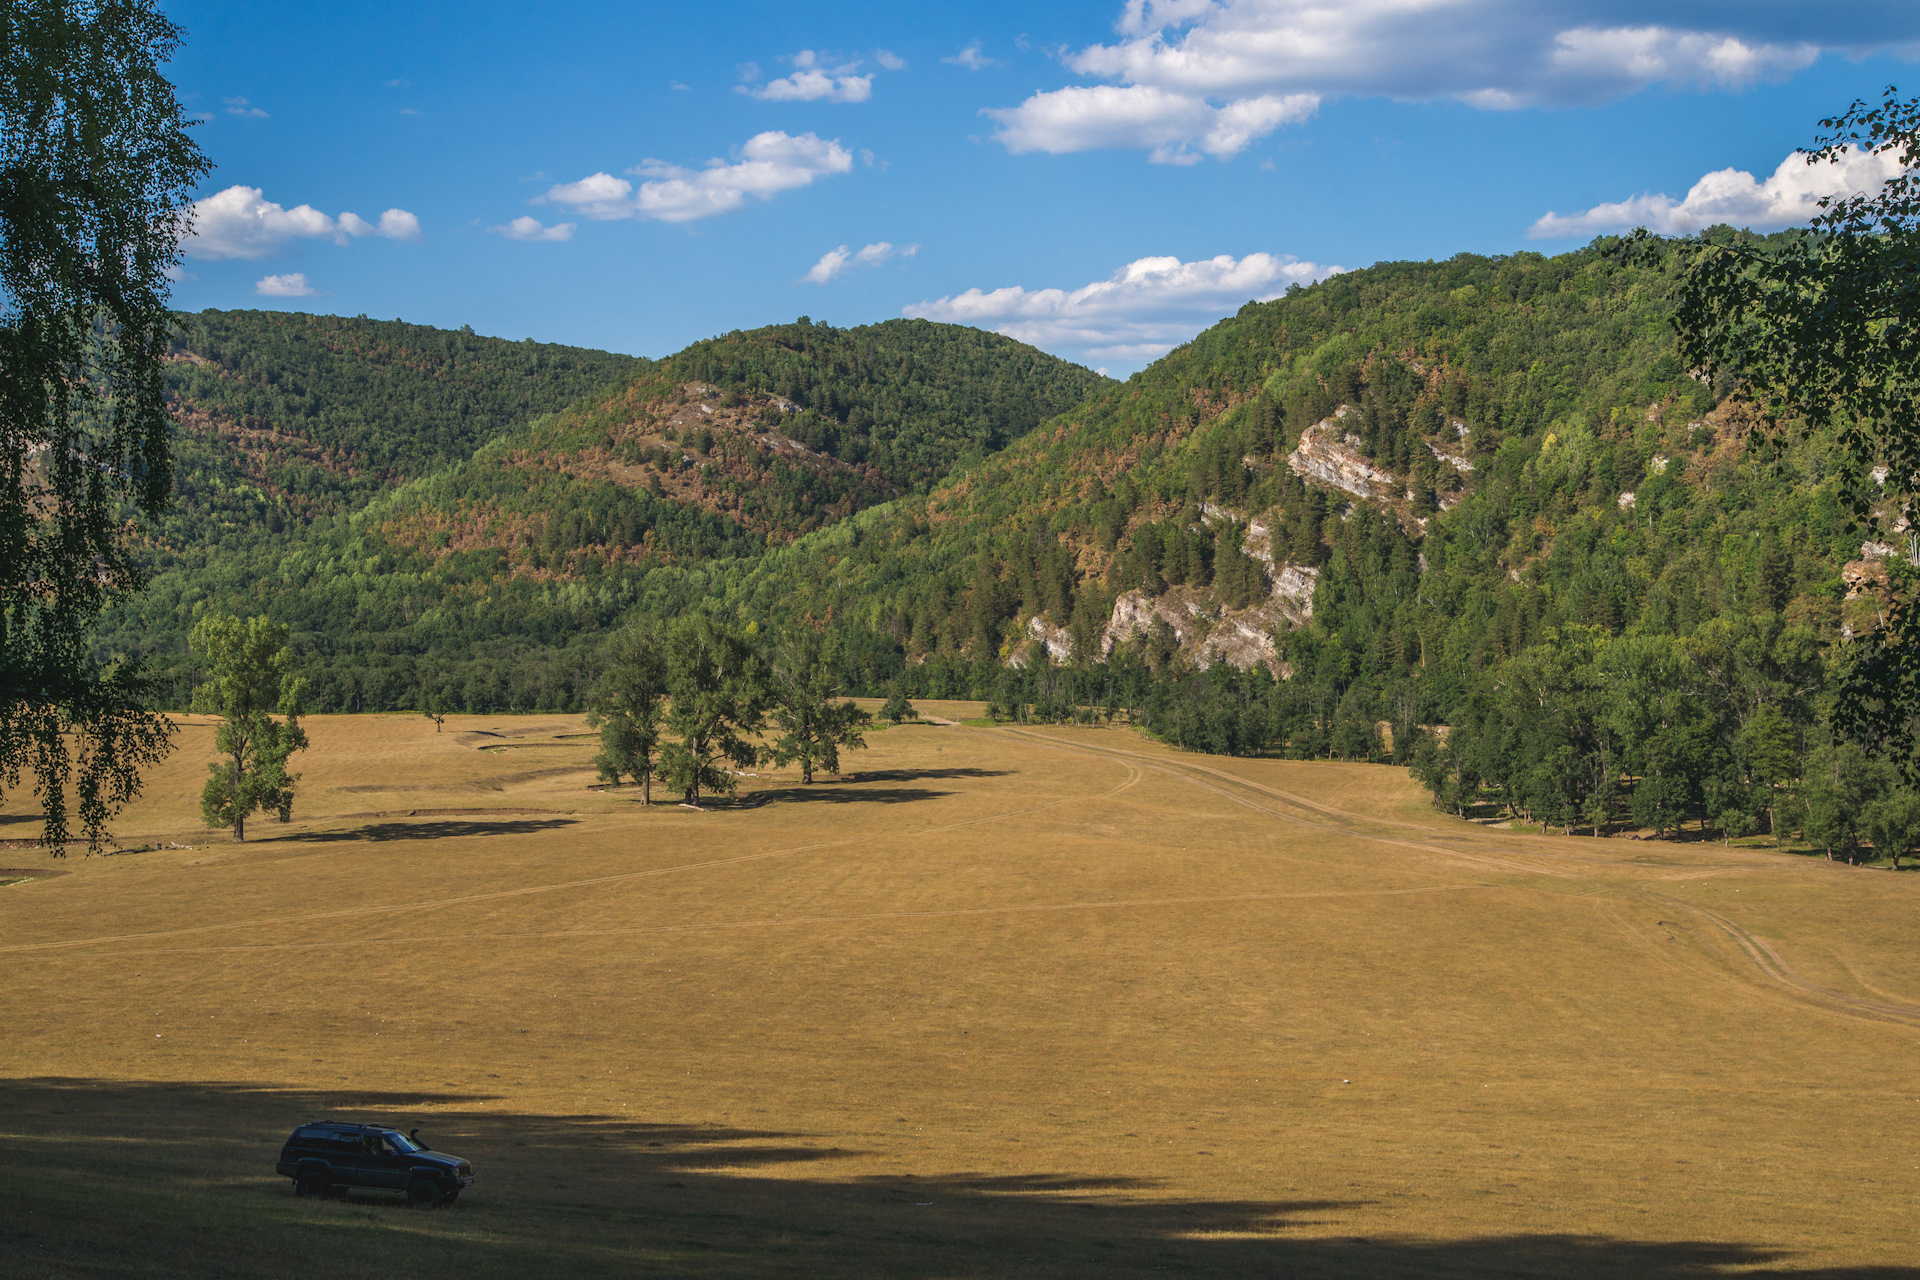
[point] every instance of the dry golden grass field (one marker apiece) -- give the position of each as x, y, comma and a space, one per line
1020, 1003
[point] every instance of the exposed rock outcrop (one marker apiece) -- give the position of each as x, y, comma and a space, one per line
1869, 593
1293, 589
1135, 613
1327, 456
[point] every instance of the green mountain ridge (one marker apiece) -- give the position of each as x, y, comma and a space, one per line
410, 500
1481, 493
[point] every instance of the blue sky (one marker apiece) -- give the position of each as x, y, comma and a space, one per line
1108, 178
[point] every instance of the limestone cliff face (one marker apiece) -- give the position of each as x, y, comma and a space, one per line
1042, 637
1207, 634
1293, 589
1326, 455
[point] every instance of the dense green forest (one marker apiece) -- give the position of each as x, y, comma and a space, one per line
316, 414
1628, 610
911, 398
423, 507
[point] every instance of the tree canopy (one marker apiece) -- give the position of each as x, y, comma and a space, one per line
1824, 328
96, 174
253, 678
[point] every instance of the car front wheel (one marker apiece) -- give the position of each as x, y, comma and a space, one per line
424, 1193
311, 1185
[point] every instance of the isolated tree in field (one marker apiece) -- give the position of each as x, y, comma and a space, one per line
897, 708
253, 678
716, 696
96, 172
803, 690
435, 710
625, 706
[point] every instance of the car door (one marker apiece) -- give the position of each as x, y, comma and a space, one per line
384, 1165
345, 1159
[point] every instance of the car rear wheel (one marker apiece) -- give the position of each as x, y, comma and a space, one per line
424, 1193
311, 1185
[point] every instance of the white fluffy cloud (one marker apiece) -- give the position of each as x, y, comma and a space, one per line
1170, 124
292, 285
814, 81
769, 163
834, 261
1790, 197
1139, 313
1204, 58
531, 228
241, 222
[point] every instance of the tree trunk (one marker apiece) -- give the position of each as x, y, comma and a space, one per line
239, 814
646, 784
806, 771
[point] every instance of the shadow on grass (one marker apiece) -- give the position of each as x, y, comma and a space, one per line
922, 775
382, 831
143, 1178
824, 793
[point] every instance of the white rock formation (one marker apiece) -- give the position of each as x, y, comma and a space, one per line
1326, 456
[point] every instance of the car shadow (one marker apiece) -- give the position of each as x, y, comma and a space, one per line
188, 1168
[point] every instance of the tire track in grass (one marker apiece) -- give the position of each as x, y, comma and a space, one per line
496, 895
1759, 953
1184, 771
1774, 967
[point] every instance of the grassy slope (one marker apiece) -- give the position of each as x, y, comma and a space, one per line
991, 1009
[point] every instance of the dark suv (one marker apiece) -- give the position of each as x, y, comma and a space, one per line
326, 1159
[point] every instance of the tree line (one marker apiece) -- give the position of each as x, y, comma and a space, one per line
683, 702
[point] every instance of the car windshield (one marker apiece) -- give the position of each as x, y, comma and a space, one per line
401, 1142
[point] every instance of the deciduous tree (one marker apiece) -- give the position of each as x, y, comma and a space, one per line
1820, 329
717, 696
96, 172
625, 706
814, 725
253, 678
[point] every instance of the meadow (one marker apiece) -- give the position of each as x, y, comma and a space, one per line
996, 1002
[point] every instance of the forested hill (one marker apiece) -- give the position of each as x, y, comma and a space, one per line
1400, 474
315, 414
410, 499
1481, 493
